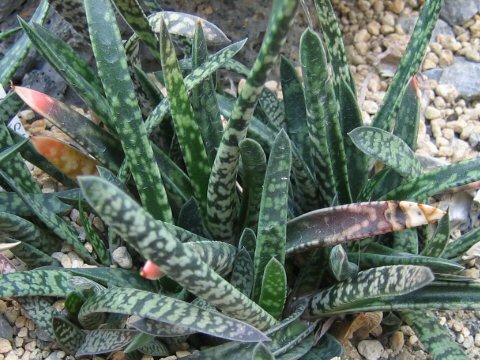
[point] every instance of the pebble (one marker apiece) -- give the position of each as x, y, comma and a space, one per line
5, 346
397, 341
370, 349
412, 340
182, 353
447, 91
432, 113
370, 107
122, 258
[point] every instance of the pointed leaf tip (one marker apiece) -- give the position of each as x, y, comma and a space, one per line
420, 214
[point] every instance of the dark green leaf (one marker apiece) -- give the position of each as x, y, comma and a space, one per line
94, 238
69, 336
154, 348
30, 255
35, 283
242, 273
438, 243
406, 241
274, 288
327, 348
190, 218
435, 337
127, 118
340, 267
408, 117
104, 341
262, 353
462, 244
12, 203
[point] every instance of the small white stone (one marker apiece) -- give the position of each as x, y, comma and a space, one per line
121, 257
182, 353
432, 113
5, 346
397, 341
370, 107
370, 349
12, 356
23, 332
468, 342
447, 91
412, 340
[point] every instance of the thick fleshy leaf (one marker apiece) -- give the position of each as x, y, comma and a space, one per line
154, 348
254, 167
190, 218
271, 109
127, 118
8, 153
94, 238
242, 273
370, 284
388, 148
409, 65
327, 348
12, 60
186, 128
204, 101
435, 337
66, 158
169, 310
274, 288
68, 335
99, 143
198, 75
272, 222
74, 70
331, 226
295, 110
155, 328
437, 181
55, 223
334, 41
35, 283
104, 341
406, 241
10, 105
340, 267
222, 197
312, 274
299, 350
133, 14
261, 352
323, 118
184, 25
41, 311
462, 244
408, 117
12, 203
351, 118
438, 243
156, 243
248, 240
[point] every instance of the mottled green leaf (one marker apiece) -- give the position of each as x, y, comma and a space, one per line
133, 14
406, 241
254, 167
409, 64
156, 243
154, 348
73, 69
98, 142
351, 118
41, 311
272, 109
370, 284
35, 283
30, 255
436, 245
242, 273
94, 238
127, 119
437, 180
198, 75
273, 291
261, 352
68, 335
295, 110
331, 226
55, 223
7, 154
272, 223
204, 101
12, 60
311, 275
323, 119
388, 148
12, 203
10, 105
334, 41
300, 349
408, 117
151, 90
169, 310
435, 337
327, 348
186, 128
340, 267
462, 244
221, 195
104, 341
248, 240
190, 218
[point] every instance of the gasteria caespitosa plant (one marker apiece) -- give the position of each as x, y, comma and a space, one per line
260, 232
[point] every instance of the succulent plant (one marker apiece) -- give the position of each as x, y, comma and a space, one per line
260, 234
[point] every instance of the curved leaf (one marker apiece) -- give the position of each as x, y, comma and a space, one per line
391, 150
462, 244
104, 341
68, 335
242, 273
262, 353
438, 243
156, 243
274, 288
35, 283
168, 310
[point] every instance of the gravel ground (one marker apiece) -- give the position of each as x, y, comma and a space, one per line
376, 33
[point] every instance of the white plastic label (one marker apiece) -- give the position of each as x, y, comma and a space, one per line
15, 124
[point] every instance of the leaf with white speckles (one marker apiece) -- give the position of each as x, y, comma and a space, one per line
102, 341
340, 267
388, 148
274, 288
12, 60
372, 284
157, 242
186, 128
261, 352
409, 65
462, 244
222, 196
35, 283
437, 244
272, 221
68, 335
161, 308
127, 118
437, 339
